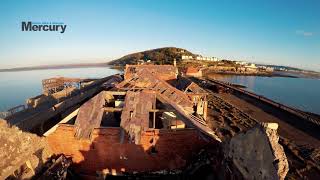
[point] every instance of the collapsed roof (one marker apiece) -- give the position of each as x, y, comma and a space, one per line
164, 72
143, 86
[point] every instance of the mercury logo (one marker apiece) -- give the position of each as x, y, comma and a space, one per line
44, 26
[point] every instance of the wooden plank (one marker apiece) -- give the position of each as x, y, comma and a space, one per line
66, 119
116, 92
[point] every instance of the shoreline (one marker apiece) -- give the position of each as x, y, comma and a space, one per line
55, 67
251, 74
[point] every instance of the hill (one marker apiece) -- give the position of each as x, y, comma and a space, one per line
157, 56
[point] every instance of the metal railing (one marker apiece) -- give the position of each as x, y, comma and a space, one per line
4, 114
13, 110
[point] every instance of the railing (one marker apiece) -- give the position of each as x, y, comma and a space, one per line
12, 111
3, 115
286, 108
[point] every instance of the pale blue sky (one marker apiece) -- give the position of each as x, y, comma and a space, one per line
271, 31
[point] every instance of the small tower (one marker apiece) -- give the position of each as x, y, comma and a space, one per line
174, 62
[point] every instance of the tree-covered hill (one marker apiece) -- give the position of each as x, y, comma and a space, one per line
157, 56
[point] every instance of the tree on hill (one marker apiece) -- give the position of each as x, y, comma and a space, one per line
157, 56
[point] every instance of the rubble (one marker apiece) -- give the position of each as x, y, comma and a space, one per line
57, 168
22, 154
256, 154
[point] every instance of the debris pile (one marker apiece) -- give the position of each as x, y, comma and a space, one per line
22, 154
56, 168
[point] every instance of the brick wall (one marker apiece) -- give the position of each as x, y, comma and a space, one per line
105, 151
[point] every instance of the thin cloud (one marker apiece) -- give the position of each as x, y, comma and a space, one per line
304, 33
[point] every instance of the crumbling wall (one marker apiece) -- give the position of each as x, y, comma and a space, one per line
255, 154
110, 150
20, 149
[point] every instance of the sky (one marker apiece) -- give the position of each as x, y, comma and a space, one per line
285, 32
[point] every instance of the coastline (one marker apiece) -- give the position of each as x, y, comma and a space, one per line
66, 66
253, 74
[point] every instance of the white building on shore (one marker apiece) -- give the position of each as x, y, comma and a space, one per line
185, 57
199, 58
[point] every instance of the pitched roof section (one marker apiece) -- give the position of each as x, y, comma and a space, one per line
164, 72
195, 88
192, 70
144, 79
89, 116
135, 114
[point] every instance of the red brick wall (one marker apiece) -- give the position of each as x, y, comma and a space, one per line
105, 151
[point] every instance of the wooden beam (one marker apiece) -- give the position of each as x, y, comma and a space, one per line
66, 119
162, 110
116, 92
154, 120
113, 109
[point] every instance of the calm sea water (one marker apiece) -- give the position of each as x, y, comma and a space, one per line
16, 87
301, 93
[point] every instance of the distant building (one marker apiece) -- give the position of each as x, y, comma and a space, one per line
185, 57
251, 67
269, 69
193, 71
266, 68
201, 58
215, 59
241, 62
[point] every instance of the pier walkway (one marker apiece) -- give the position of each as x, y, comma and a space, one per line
295, 125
